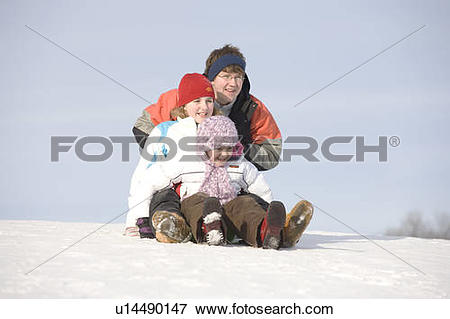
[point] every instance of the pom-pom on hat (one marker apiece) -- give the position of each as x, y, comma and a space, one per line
193, 86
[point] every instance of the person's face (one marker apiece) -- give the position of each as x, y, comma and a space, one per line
221, 155
227, 86
200, 109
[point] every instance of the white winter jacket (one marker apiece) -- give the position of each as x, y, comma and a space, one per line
243, 175
174, 130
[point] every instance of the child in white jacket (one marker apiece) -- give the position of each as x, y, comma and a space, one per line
210, 200
195, 104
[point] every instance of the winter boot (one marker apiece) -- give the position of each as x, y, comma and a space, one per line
296, 222
272, 225
170, 227
213, 223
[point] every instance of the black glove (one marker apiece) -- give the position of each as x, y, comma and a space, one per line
145, 231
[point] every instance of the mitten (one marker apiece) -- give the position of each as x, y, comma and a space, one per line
145, 231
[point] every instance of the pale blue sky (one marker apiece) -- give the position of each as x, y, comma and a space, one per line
293, 48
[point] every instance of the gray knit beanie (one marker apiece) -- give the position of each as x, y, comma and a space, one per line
213, 133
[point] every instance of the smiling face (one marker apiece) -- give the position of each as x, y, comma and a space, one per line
227, 86
221, 155
200, 109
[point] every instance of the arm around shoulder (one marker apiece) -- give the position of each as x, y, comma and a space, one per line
266, 148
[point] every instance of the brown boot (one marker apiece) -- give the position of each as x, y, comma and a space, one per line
170, 227
296, 222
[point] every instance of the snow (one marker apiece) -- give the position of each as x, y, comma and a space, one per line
110, 265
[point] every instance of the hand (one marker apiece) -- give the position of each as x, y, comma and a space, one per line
145, 231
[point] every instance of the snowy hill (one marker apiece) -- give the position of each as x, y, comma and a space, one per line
107, 264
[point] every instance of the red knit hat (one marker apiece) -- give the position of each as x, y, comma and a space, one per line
193, 86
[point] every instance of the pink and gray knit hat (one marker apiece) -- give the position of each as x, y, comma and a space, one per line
218, 131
